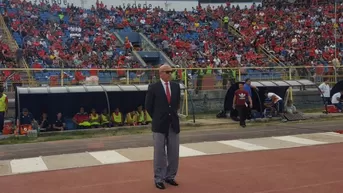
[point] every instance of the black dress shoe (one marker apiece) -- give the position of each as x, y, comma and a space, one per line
172, 182
160, 185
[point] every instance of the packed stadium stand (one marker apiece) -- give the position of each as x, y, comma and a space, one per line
298, 34
104, 37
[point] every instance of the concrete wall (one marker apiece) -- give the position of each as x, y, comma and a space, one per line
207, 101
213, 101
307, 99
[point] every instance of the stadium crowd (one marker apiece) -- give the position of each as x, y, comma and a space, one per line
297, 35
53, 37
50, 35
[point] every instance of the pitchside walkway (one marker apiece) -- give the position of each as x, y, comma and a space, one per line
96, 158
313, 169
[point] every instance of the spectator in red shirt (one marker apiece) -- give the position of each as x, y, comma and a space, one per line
81, 119
239, 103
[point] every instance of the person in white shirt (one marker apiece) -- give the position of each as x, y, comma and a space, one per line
337, 101
325, 91
277, 101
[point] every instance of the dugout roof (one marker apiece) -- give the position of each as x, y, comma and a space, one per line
84, 89
278, 83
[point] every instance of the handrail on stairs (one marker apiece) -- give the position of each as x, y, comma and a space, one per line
135, 53
10, 37
264, 50
168, 59
155, 48
152, 45
139, 58
119, 38
272, 56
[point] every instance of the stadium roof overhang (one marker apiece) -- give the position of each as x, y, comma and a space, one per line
84, 89
287, 83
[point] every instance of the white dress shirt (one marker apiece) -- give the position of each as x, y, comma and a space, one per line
271, 94
164, 86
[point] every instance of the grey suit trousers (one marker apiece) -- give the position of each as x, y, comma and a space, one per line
166, 155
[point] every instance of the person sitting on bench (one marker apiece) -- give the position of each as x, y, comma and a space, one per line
269, 110
337, 100
25, 122
81, 119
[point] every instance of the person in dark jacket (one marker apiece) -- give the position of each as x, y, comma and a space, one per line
162, 103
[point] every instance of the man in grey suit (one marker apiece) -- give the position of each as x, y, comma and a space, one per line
162, 103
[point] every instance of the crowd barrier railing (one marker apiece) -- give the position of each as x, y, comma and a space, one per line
14, 46
194, 78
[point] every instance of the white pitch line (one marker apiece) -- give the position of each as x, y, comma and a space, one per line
34, 164
187, 152
299, 140
109, 157
243, 145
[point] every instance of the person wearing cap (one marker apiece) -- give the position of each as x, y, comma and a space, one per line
3, 107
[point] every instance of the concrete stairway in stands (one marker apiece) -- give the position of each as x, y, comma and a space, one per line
271, 56
149, 52
134, 53
26, 75
268, 54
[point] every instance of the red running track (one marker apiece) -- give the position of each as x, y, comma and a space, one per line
315, 169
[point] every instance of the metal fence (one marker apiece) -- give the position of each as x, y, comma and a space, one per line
194, 78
